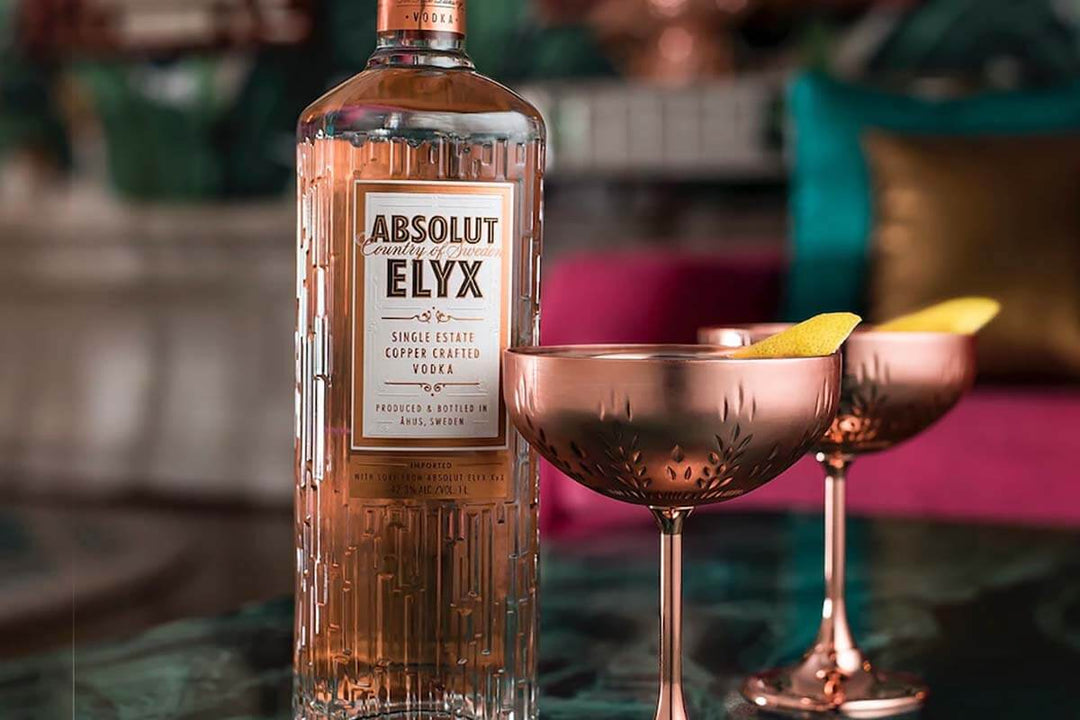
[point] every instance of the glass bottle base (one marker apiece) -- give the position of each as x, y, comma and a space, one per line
314, 710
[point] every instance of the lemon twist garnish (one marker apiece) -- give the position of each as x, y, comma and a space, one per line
962, 316
819, 336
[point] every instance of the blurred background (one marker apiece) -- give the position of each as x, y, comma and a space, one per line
710, 165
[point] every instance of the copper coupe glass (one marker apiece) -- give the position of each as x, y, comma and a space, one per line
669, 428
895, 385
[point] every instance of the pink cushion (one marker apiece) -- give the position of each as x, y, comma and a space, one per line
1001, 455
656, 296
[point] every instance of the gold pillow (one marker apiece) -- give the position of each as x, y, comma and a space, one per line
996, 216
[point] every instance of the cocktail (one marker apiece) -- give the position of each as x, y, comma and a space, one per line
669, 428
895, 385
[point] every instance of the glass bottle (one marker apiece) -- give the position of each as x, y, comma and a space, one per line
419, 239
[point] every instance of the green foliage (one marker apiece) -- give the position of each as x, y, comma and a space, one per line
1035, 38
506, 41
158, 139
174, 131
29, 117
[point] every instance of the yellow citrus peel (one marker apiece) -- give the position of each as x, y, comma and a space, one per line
962, 316
816, 337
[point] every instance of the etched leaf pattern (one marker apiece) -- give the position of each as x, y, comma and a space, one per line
725, 461
868, 414
858, 419
625, 460
613, 460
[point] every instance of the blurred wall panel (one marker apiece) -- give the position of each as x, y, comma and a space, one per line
146, 351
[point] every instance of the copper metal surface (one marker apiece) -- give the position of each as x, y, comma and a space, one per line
895, 386
669, 427
421, 16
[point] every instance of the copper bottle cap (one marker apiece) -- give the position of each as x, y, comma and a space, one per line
422, 15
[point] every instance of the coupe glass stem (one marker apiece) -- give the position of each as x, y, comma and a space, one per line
834, 637
670, 705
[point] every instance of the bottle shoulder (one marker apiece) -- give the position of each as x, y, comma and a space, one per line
382, 95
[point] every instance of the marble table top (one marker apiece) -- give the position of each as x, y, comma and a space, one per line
988, 615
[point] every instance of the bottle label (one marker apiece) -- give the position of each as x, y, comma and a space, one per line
432, 289
422, 15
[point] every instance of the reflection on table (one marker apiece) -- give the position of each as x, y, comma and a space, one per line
958, 604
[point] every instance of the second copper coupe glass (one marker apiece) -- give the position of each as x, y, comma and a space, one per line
669, 428
896, 384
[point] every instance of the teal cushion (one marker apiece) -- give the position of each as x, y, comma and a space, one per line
831, 206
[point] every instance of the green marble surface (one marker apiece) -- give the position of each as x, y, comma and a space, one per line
988, 615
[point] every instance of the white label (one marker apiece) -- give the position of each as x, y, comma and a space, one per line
432, 289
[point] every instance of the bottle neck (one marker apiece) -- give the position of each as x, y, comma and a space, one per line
403, 48
421, 32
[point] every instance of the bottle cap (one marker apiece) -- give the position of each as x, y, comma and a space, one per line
422, 15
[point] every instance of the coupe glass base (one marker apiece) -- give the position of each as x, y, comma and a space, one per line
811, 688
